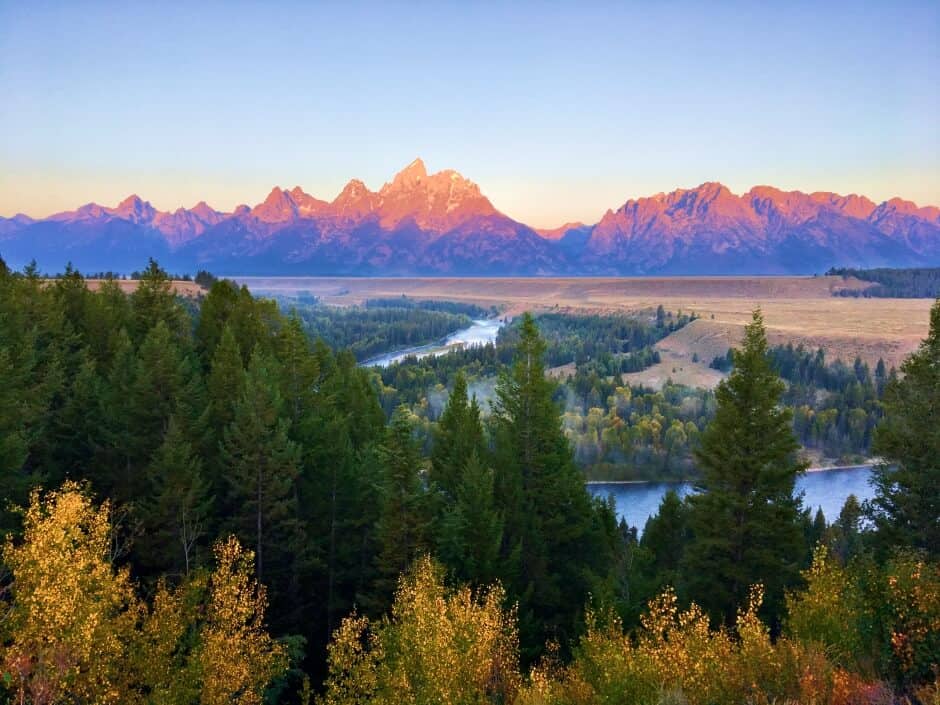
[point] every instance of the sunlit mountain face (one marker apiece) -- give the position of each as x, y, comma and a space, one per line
427, 224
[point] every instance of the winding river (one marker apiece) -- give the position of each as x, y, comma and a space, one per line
828, 489
637, 501
481, 332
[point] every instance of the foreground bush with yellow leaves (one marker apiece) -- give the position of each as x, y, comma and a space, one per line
75, 630
437, 646
675, 657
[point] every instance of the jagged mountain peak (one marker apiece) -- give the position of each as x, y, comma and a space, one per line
442, 223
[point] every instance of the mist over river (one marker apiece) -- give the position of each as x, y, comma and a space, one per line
637, 501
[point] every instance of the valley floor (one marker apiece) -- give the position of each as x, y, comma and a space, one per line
796, 309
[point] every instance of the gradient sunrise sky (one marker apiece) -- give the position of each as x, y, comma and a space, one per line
558, 110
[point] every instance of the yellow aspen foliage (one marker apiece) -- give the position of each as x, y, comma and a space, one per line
439, 646
676, 657
237, 657
828, 612
73, 630
71, 616
161, 661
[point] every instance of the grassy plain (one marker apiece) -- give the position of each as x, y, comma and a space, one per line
796, 309
183, 288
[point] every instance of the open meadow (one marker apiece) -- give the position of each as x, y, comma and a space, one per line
796, 309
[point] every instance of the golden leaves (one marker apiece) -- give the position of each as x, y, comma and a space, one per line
75, 630
438, 646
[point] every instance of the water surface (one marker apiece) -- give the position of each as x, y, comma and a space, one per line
481, 332
828, 489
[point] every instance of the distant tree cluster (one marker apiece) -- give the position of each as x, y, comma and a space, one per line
919, 283
371, 331
456, 307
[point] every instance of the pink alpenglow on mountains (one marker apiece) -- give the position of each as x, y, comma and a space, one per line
441, 223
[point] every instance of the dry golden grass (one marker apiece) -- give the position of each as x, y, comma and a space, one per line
796, 309
128, 286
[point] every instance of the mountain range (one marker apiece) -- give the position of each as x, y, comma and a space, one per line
441, 224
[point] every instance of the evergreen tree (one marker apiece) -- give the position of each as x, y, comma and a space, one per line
906, 506
470, 530
177, 511
300, 372
664, 538
745, 521
224, 384
402, 521
214, 314
153, 301
159, 379
340, 485
556, 549
76, 429
261, 465
113, 474
459, 436
845, 535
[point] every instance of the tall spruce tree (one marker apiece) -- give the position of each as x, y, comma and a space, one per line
261, 466
402, 522
176, 513
556, 545
470, 530
159, 379
906, 506
224, 384
745, 521
153, 301
459, 436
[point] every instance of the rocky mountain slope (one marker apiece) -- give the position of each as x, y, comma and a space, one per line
441, 224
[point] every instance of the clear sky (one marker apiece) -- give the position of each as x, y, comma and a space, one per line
558, 110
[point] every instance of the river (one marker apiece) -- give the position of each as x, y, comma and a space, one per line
638, 501
482, 331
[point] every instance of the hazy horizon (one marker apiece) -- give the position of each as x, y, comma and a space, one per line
557, 112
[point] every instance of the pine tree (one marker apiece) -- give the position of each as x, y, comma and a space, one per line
159, 379
459, 436
470, 530
340, 484
300, 372
153, 302
906, 506
261, 466
214, 314
745, 521
224, 384
664, 538
177, 511
556, 549
400, 530
114, 473
845, 536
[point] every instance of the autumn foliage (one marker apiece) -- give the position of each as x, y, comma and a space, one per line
75, 628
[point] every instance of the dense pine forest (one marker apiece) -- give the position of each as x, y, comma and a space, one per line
207, 501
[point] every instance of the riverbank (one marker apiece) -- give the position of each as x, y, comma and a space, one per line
637, 501
480, 332
827, 468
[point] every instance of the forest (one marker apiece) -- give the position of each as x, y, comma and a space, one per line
206, 502
915, 283
381, 325
628, 432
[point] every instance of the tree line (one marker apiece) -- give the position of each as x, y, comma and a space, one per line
373, 330
914, 283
